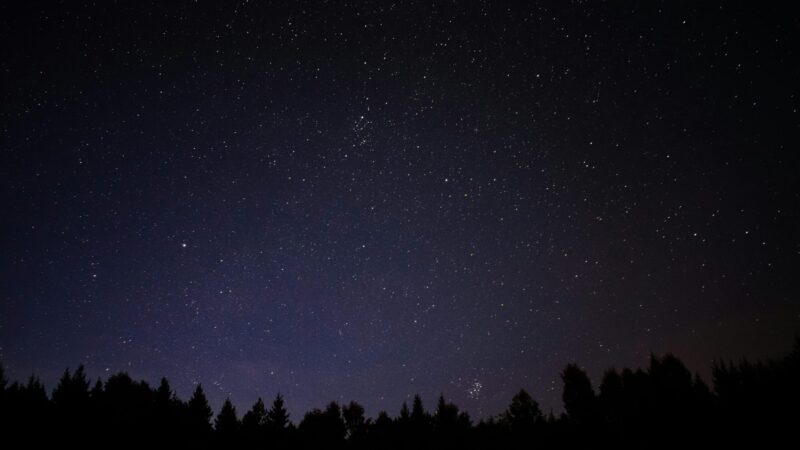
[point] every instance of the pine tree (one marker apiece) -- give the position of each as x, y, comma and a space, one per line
62, 391
277, 417
446, 415
97, 390
256, 418
405, 414
199, 412
164, 392
226, 423
418, 414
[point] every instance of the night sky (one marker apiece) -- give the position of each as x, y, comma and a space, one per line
343, 200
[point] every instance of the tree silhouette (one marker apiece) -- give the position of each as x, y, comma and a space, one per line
323, 428
449, 425
277, 417
276, 423
165, 412
445, 419
580, 406
523, 412
226, 425
164, 393
380, 433
578, 395
72, 392
335, 422
256, 418
611, 402
355, 423
405, 414
226, 422
521, 419
254, 424
71, 401
199, 415
670, 391
26, 415
418, 414
401, 428
34, 408
419, 422
3, 381
752, 404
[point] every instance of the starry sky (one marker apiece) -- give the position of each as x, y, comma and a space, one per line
343, 200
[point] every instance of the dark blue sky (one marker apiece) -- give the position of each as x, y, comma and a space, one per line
367, 200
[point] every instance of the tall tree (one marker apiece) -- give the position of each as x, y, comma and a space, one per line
164, 392
72, 391
71, 400
446, 416
30, 411
254, 425
418, 424
405, 414
255, 419
380, 432
227, 424
523, 412
334, 419
418, 414
354, 421
320, 429
199, 412
578, 395
277, 418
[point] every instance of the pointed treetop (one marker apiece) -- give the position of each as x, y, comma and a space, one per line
417, 409
256, 417
404, 412
199, 409
277, 417
226, 421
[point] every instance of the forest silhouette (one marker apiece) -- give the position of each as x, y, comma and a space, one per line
663, 406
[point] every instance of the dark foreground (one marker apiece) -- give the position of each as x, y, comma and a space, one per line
748, 405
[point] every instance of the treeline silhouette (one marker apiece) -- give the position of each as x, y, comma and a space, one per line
662, 406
